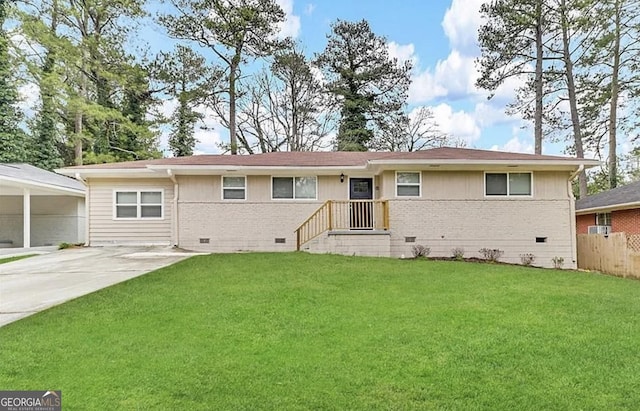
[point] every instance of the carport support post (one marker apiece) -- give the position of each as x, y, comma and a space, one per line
26, 217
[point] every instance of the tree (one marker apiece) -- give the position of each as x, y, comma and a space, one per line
93, 76
367, 83
189, 81
612, 82
285, 108
234, 30
416, 131
46, 136
12, 139
512, 40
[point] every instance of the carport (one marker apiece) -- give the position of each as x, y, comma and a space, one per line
39, 208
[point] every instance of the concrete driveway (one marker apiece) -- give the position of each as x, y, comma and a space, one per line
37, 283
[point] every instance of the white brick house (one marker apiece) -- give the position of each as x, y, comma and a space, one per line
371, 203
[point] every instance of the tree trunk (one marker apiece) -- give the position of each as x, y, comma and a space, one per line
233, 138
78, 138
538, 80
613, 104
573, 100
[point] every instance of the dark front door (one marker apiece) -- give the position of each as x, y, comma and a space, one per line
361, 210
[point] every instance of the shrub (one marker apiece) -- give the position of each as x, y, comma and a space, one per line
420, 251
527, 259
491, 254
457, 253
558, 262
62, 246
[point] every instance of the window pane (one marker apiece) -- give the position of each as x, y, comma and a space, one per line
603, 219
126, 211
282, 187
233, 194
151, 211
126, 197
305, 187
408, 191
496, 184
408, 178
151, 197
520, 184
233, 182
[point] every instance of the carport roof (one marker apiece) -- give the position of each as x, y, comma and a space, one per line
16, 175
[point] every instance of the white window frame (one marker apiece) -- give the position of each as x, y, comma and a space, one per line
419, 184
222, 188
605, 214
530, 195
294, 189
138, 204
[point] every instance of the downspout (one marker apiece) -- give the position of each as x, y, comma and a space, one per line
87, 197
174, 211
572, 207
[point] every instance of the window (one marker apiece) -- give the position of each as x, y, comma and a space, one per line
234, 188
407, 184
508, 184
138, 204
299, 188
603, 219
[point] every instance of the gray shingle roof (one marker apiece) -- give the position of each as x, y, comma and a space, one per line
629, 193
328, 158
31, 174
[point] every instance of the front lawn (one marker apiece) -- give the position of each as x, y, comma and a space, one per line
15, 258
300, 331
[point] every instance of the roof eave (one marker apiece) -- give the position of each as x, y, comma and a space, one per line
607, 208
44, 186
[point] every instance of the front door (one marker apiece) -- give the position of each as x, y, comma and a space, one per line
361, 210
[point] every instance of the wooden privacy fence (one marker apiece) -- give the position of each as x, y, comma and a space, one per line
616, 253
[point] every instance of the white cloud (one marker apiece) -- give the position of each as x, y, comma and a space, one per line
291, 25
458, 124
461, 22
29, 95
403, 52
515, 145
453, 77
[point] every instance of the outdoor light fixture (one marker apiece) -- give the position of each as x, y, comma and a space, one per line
342, 178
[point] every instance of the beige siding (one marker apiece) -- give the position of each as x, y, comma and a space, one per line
469, 185
508, 225
105, 230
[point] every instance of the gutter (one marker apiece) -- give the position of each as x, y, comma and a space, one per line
576, 173
174, 211
87, 197
572, 214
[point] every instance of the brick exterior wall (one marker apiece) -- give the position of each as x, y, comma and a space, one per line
627, 221
583, 222
508, 225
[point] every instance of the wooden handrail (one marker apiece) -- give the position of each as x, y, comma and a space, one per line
344, 215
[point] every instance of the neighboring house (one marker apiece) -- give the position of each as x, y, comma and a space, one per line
39, 208
611, 211
364, 203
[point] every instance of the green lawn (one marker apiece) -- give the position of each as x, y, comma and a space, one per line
299, 331
15, 258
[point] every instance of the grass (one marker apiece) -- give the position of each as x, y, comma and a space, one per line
299, 331
15, 258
